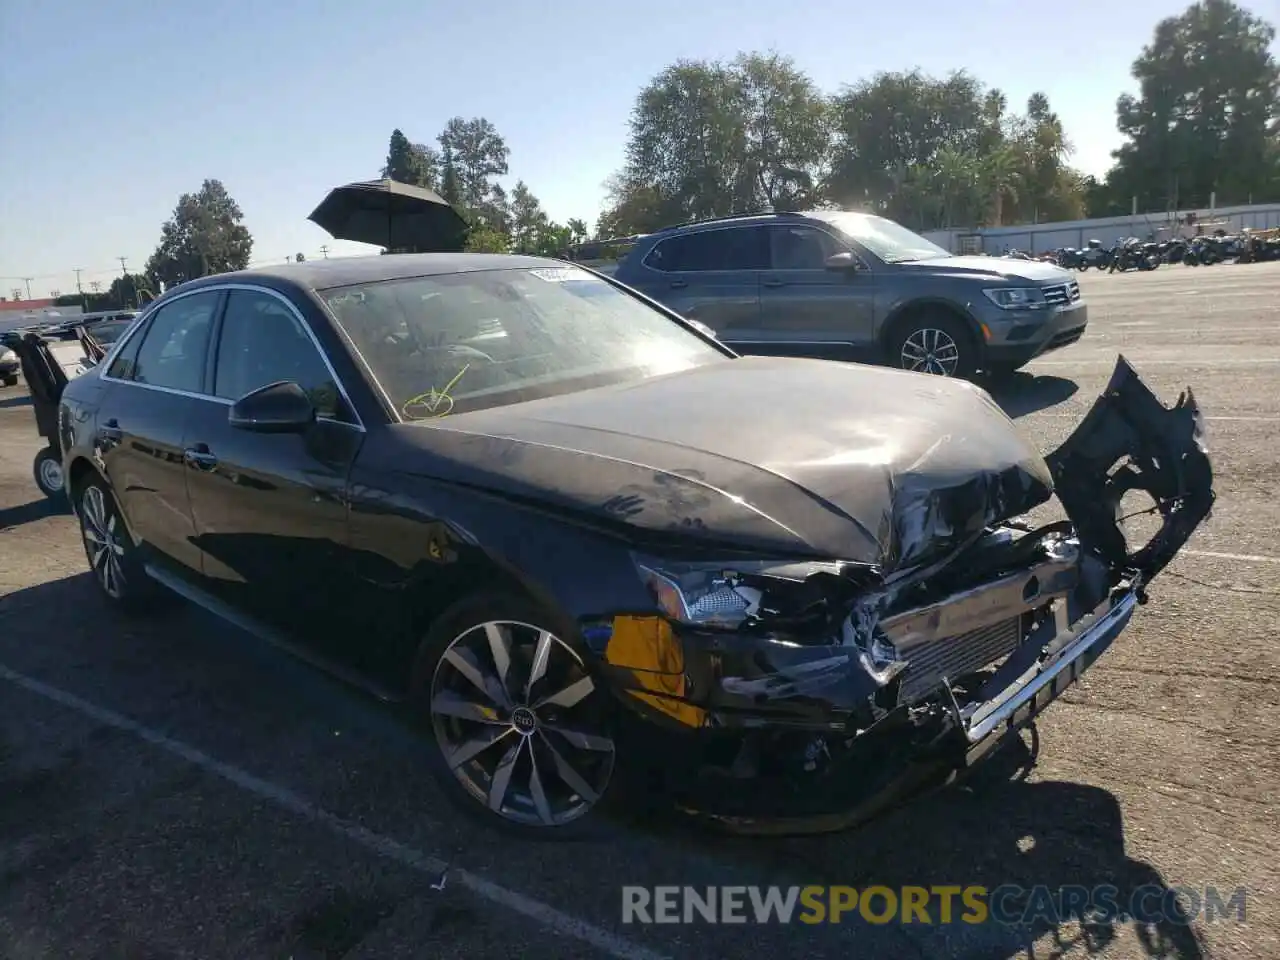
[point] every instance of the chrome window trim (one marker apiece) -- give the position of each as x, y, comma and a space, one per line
221, 288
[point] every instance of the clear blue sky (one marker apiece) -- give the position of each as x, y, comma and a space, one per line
110, 109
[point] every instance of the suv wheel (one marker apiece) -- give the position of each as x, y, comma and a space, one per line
935, 343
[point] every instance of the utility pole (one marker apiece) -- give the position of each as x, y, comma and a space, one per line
123, 269
324, 251
27, 281
79, 288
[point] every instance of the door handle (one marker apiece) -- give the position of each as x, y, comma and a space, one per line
773, 283
200, 457
111, 430
679, 284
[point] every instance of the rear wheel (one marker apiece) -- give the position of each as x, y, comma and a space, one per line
523, 737
934, 342
47, 470
113, 559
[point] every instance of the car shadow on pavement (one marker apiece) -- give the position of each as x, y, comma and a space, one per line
1022, 393
995, 829
29, 512
23, 400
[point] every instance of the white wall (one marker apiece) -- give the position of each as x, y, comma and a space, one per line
1041, 237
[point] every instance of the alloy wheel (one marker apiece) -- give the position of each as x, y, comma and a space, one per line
512, 712
930, 350
103, 542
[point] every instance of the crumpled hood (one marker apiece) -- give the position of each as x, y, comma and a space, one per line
997, 268
785, 456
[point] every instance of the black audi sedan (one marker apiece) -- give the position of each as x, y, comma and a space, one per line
598, 555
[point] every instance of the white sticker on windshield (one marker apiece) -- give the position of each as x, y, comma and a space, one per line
557, 274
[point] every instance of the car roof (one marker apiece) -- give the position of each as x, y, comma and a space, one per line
345, 271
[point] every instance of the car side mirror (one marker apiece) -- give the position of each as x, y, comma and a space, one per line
282, 407
844, 260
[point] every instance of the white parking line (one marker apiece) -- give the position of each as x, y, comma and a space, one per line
1240, 557
541, 913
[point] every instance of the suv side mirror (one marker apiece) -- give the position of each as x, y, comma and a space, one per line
281, 407
844, 260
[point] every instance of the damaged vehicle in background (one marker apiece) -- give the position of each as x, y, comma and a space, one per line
598, 554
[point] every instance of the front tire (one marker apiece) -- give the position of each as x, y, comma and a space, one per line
523, 737
47, 471
936, 343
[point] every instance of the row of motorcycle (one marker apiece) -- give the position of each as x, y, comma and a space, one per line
1133, 253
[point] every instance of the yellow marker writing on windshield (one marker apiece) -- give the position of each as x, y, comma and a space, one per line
435, 403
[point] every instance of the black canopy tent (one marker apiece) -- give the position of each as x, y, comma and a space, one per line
396, 216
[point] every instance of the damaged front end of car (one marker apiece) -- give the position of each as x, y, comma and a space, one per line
803, 696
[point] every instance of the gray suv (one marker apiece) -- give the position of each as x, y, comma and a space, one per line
852, 286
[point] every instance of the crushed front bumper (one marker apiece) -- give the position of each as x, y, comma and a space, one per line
808, 701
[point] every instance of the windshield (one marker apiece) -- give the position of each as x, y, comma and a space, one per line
460, 342
891, 242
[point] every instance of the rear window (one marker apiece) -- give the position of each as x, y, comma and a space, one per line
731, 248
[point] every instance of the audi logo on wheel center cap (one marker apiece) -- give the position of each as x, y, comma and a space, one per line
524, 720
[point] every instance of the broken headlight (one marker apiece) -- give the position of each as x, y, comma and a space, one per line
720, 594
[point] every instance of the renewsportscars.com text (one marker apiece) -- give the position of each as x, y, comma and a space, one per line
1008, 904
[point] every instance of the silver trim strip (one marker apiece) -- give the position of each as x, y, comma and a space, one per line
1066, 659
793, 343
219, 288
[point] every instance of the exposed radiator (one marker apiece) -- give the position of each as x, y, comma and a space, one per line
953, 657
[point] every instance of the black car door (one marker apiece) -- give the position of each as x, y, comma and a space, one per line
156, 384
270, 509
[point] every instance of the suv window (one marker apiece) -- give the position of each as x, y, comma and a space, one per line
175, 344
802, 248
262, 341
729, 248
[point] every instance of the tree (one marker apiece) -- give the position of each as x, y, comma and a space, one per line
528, 220
487, 240
786, 136
129, 290
205, 235
126, 292
412, 163
577, 230
477, 154
686, 150
1206, 113
889, 129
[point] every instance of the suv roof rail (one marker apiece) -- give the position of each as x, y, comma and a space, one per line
746, 215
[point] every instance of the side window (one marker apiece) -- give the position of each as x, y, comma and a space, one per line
122, 366
731, 248
175, 344
802, 248
263, 342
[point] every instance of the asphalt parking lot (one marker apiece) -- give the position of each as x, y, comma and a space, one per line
170, 788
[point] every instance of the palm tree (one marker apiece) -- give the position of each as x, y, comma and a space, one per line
957, 173
1002, 179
